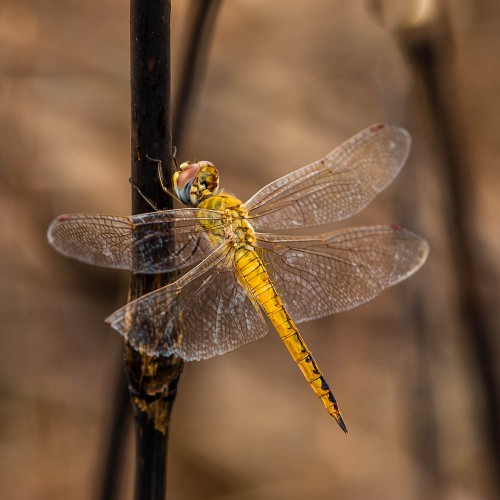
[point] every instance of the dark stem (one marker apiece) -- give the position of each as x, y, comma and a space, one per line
153, 387
194, 59
152, 380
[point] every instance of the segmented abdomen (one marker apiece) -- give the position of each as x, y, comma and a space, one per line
256, 280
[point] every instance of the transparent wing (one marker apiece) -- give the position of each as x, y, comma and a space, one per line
321, 275
335, 187
147, 243
204, 313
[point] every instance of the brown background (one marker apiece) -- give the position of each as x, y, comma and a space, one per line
286, 82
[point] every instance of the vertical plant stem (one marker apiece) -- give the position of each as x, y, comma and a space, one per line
152, 387
194, 58
152, 380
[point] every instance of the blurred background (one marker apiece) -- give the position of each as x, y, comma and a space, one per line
415, 371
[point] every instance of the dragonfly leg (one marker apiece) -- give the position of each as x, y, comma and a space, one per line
162, 178
174, 157
149, 201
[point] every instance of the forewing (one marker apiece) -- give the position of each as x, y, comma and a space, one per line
204, 313
335, 187
147, 243
321, 275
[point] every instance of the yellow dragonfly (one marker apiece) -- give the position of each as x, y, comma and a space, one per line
242, 260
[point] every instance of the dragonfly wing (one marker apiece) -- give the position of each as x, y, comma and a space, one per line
335, 187
146, 243
204, 313
321, 275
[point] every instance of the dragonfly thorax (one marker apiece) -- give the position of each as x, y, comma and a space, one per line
194, 182
230, 223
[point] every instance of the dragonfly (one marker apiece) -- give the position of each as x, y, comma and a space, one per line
244, 261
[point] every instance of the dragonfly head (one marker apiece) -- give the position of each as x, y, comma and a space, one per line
194, 182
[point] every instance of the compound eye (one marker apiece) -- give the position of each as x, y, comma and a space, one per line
208, 178
184, 180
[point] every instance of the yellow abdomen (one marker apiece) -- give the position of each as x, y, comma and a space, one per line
256, 280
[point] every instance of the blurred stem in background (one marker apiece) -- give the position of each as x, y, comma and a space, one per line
203, 14
424, 35
115, 435
196, 49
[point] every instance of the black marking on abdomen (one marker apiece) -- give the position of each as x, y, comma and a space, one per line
331, 398
324, 384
